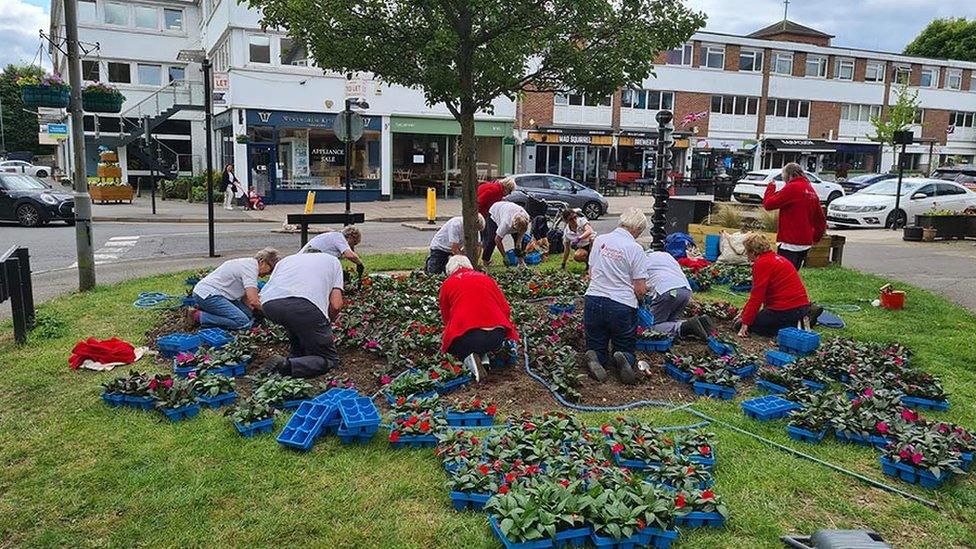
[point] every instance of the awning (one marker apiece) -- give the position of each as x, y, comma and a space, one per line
858, 148
808, 146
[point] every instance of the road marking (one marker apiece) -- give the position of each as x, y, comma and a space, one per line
113, 250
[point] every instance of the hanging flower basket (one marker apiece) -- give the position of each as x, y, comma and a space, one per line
45, 96
101, 98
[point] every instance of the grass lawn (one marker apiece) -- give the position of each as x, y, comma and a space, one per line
76, 473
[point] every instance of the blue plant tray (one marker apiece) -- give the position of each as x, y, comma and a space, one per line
677, 373
707, 462
497, 361
453, 385
797, 341
925, 403
771, 387
695, 286
113, 399
779, 358
214, 338
140, 402
531, 258
189, 301
913, 475
966, 461
633, 464
229, 371
304, 426
657, 538
855, 438
179, 414
538, 544
741, 287
719, 348
359, 412
713, 391
335, 394
802, 435
258, 427
557, 310
415, 441
173, 344
575, 537
469, 419
609, 542
466, 500
697, 519
645, 318
658, 346
215, 402
746, 371
768, 407
184, 372
814, 385
354, 435
391, 399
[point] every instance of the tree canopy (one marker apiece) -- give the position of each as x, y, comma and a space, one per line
19, 126
949, 38
898, 117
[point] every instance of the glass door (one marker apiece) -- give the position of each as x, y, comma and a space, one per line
566, 161
262, 168
579, 163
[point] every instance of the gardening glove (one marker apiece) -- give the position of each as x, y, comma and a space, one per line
359, 269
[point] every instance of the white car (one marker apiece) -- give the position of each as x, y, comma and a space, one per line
19, 166
752, 187
875, 205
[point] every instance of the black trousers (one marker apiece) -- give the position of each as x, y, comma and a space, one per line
313, 349
488, 239
477, 341
796, 258
437, 262
769, 323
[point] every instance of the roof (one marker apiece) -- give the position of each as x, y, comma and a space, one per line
788, 27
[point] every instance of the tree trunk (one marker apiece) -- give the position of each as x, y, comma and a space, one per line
469, 183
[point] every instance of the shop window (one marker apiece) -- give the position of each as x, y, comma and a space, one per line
681, 56
874, 71
119, 73
146, 17
712, 57
816, 66
90, 70
150, 75
954, 80
929, 78
293, 53
844, 69
173, 18
87, 12
116, 14
259, 49
751, 60
782, 63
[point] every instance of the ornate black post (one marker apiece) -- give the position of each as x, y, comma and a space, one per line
663, 168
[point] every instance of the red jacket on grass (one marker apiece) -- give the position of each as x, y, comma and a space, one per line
801, 219
775, 285
488, 194
471, 300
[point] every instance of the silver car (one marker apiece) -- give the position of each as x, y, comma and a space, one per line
547, 186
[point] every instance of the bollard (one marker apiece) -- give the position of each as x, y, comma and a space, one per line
431, 205
309, 202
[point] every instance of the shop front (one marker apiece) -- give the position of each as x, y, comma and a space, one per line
580, 155
721, 159
425, 153
636, 154
808, 153
853, 157
292, 153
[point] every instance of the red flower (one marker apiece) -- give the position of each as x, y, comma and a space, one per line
529, 426
869, 392
425, 426
401, 401
564, 483
699, 372
679, 501
708, 494
690, 470
909, 415
916, 458
394, 436
705, 450
605, 428
641, 524
503, 489
412, 421
476, 403
152, 384
881, 427
491, 409
474, 441
617, 448
434, 375
484, 469
509, 477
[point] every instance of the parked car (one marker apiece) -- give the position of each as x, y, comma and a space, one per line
751, 188
19, 166
863, 181
875, 205
556, 187
964, 175
30, 201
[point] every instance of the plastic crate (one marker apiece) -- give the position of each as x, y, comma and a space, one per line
140, 402
354, 435
179, 414
713, 391
645, 318
415, 441
771, 387
746, 371
712, 242
184, 372
292, 404
611, 543
779, 358
719, 348
677, 373
304, 426
255, 428
465, 500
558, 310
114, 400
575, 537
705, 461
173, 344
768, 408
860, 440
469, 419
797, 341
657, 538
531, 258
656, 346
360, 419
334, 395
453, 385
697, 519
538, 544
214, 402
695, 286
966, 461
803, 435
925, 403
913, 475
214, 338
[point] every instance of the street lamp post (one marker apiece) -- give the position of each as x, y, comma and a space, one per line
902, 137
349, 136
200, 56
663, 172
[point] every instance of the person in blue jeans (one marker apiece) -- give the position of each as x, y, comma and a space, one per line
618, 281
228, 297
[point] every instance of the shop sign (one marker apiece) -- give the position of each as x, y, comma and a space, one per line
645, 142
57, 131
289, 119
221, 81
333, 156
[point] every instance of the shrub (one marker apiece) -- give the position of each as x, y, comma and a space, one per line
728, 216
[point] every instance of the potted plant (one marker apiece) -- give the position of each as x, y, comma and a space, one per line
713, 382
616, 517
700, 280
923, 390
415, 430
918, 457
721, 345
113, 392
175, 397
471, 413
720, 310
411, 386
284, 392
637, 446
657, 523
44, 90
214, 391
136, 391
519, 521
242, 139
698, 445
252, 416
808, 424
696, 508
471, 486
681, 473
870, 418
98, 97
778, 380
959, 439
456, 447
650, 340
448, 375
188, 363
679, 367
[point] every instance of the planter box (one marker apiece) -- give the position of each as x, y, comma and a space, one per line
610, 543
214, 402
657, 538
829, 251
179, 414
925, 403
214, 338
108, 156
705, 461
453, 385
102, 102
531, 258
798, 342
913, 475
44, 96
415, 441
771, 387
465, 500
860, 440
635, 465
711, 390
111, 193
656, 346
292, 404
229, 371
966, 461
114, 400
140, 402
802, 435
557, 310
746, 371
946, 226
469, 419
109, 172
335, 394
537, 544
251, 429
697, 519
768, 408
697, 286
677, 373
719, 348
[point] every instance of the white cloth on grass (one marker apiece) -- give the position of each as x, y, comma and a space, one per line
309, 276
616, 261
333, 243
452, 232
503, 213
664, 273
230, 279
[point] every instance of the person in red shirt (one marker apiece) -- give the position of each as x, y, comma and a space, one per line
778, 298
801, 219
488, 194
477, 317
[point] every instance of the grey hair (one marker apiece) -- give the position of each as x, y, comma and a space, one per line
791, 171
508, 183
353, 236
456, 262
634, 220
268, 255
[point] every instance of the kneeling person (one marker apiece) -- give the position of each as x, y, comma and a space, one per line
669, 294
448, 241
228, 297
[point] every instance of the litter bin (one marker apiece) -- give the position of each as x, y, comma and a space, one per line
684, 210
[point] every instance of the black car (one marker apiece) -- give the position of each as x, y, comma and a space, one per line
32, 202
964, 175
864, 181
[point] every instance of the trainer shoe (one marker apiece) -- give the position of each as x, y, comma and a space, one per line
594, 367
472, 361
624, 370
814, 314
693, 328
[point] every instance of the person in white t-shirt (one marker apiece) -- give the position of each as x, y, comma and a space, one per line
577, 237
228, 297
303, 294
338, 244
448, 241
618, 281
509, 219
668, 293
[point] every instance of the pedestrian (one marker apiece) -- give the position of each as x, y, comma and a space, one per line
231, 186
508, 218
303, 295
778, 298
477, 318
801, 219
338, 244
228, 297
448, 241
668, 295
577, 237
489, 194
618, 281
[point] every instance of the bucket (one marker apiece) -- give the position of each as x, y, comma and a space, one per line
712, 242
893, 299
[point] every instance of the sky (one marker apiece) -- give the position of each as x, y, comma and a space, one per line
885, 25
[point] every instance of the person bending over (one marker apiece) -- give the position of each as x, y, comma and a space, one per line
448, 241
668, 295
489, 194
228, 297
341, 245
577, 237
509, 219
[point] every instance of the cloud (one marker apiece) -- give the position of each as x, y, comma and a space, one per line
19, 23
884, 25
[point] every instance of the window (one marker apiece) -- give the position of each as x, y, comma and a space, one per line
560, 98
859, 113
221, 56
945, 189
919, 116
576, 99
844, 69
532, 182
734, 104
751, 60
782, 63
557, 183
954, 80
86, 11
874, 71
118, 73
146, 17
972, 82
150, 75
293, 53
681, 56
177, 73
962, 119
173, 19
646, 99
712, 57
116, 14
90, 71
259, 49
903, 75
816, 66
788, 108
930, 78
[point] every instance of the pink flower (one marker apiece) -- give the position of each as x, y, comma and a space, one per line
152, 384
943, 428
553, 338
916, 458
909, 415
385, 379
881, 427
617, 448
869, 392
352, 332
192, 375
699, 372
167, 383
372, 344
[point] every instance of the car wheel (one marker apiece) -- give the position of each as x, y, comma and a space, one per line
41, 173
592, 210
833, 196
896, 220
28, 216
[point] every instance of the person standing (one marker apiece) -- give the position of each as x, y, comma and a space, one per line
618, 281
801, 219
668, 295
577, 237
489, 194
231, 186
338, 244
508, 218
228, 297
448, 241
303, 295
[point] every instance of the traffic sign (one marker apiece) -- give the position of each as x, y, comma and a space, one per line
351, 133
57, 131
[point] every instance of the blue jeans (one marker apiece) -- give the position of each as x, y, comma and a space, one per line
606, 321
218, 311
